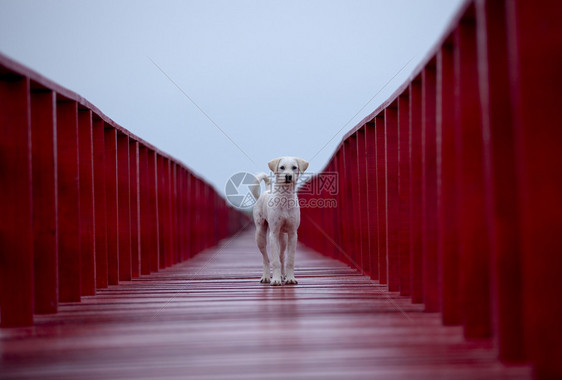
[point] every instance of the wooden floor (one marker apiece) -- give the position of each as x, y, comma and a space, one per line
210, 318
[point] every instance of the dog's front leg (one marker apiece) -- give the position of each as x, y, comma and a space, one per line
275, 248
261, 240
292, 248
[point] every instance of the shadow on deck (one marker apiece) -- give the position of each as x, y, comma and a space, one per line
210, 318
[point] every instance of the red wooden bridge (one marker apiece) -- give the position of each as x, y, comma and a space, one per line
430, 242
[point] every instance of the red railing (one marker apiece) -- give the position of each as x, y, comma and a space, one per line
84, 203
451, 191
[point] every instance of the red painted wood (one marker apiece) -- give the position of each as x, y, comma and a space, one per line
188, 216
431, 278
343, 238
349, 202
45, 239
333, 227
534, 45
179, 209
169, 213
75, 183
87, 221
188, 211
371, 146
211, 318
68, 180
16, 224
501, 179
355, 204
100, 203
180, 213
448, 247
134, 184
175, 219
404, 161
124, 209
162, 211
205, 216
152, 213
474, 246
194, 202
362, 193
392, 196
416, 191
111, 205
381, 198
144, 210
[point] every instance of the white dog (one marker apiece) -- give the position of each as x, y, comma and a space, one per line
278, 211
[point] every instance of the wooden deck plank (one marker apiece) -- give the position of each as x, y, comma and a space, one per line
210, 318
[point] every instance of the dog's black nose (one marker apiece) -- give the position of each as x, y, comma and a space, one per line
288, 177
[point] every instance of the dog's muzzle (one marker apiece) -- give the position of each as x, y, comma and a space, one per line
288, 178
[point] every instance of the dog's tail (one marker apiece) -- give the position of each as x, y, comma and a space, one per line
260, 177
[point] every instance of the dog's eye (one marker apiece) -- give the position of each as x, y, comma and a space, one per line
294, 168
282, 167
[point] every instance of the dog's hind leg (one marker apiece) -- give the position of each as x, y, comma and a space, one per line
261, 241
292, 247
282, 252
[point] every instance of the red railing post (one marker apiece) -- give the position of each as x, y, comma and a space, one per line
188, 215
534, 45
153, 214
134, 184
68, 179
372, 205
16, 241
416, 262
193, 204
343, 238
431, 278
474, 246
448, 248
348, 175
501, 179
169, 214
392, 198
162, 211
333, 228
110, 159
404, 191
362, 195
180, 208
100, 203
87, 218
381, 197
45, 229
124, 211
145, 217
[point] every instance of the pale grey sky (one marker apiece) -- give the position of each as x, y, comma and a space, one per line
278, 77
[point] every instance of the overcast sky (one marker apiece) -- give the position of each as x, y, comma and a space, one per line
277, 77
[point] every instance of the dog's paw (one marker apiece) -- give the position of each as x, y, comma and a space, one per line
265, 280
291, 281
276, 282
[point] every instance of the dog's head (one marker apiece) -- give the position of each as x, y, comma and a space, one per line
287, 169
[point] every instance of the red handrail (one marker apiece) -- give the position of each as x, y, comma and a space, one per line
84, 203
451, 191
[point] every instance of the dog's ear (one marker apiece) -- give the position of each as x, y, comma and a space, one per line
303, 165
273, 164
